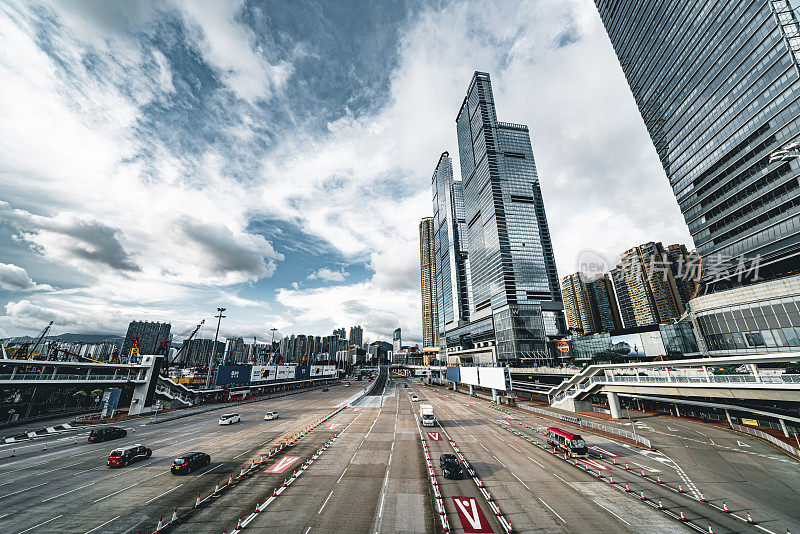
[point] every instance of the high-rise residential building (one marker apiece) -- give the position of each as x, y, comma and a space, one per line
197, 352
651, 285
577, 304
718, 87
624, 305
149, 337
356, 336
449, 248
234, 351
427, 264
685, 267
513, 294
604, 305
341, 332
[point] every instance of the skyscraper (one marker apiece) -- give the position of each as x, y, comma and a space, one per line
718, 87
651, 285
427, 264
397, 341
356, 336
449, 247
604, 305
577, 304
513, 295
624, 304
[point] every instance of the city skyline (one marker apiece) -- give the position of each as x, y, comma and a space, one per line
277, 255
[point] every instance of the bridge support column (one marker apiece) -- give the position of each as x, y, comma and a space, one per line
728, 416
613, 403
455, 386
677, 411
472, 390
494, 395
783, 427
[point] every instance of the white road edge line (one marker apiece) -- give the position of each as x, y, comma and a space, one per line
558, 516
610, 512
342, 475
326, 502
521, 482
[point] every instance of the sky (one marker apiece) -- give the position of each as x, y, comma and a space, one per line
160, 159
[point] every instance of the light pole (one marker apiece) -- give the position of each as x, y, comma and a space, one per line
214, 350
271, 344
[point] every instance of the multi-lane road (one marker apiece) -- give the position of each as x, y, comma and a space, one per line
373, 476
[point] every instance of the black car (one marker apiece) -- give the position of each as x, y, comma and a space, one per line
451, 466
188, 462
105, 434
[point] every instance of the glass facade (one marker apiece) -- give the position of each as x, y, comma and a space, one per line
718, 87
512, 269
766, 326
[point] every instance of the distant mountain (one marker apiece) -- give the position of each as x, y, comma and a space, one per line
70, 338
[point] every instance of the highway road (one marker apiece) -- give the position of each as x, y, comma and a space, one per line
371, 476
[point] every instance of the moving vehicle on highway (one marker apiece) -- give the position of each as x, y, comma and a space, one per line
125, 456
229, 418
414, 398
450, 465
270, 416
347, 384
567, 442
108, 433
426, 414
188, 462
324, 389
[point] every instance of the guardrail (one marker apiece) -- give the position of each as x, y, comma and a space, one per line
70, 377
763, 435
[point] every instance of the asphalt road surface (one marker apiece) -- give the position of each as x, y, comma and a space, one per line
373, 478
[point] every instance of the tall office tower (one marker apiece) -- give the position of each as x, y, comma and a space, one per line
604, 305
718, 87
685, 270
151, 338
397, 341
651, 285
577, 304
356, 336
513, 276
626, 314
427, 265
450, 255
341, 332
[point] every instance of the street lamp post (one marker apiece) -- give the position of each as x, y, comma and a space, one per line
214, 350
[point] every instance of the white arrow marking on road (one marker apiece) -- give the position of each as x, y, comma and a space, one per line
740, 444
471, 515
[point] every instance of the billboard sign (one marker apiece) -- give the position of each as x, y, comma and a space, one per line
262, 373
316, 371
453, 374
110, 401
232, 374
302, 372
285, 372
329, 370
493, 377
628, 346
469, 375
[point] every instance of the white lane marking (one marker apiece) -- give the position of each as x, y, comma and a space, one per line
473, 438
342, 475
610, 512
513, 447
39, 525
380, 512
534, 461
565, 482
484, 447
20, 491
241, 454
118, 491
558, 516
68, 492
157, 496
101, 526
204, 472
498, 459
326, 502
520, 481
308, 530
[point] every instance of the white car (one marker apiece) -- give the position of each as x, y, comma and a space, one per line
229, 418
270, 416
414, 398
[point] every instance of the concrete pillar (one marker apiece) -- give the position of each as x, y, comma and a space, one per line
754, 370
455, 386
613, 403
783, 427
471, 390
494, 395
705, 373
677, 411
728, 416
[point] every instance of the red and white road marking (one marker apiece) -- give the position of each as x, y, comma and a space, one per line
509, 416
606, 452
333, 426
283, 464
434, 436
471, 515
356, 409
596, 465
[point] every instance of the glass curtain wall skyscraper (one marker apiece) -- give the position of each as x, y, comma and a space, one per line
513, 283
718, 87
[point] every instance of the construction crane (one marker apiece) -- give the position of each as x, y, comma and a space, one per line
184, 345
22, 351
41, 337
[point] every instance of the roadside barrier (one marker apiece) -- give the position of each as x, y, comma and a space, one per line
255, 465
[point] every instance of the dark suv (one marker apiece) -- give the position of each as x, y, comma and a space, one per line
105, 434
451, 466
188, 462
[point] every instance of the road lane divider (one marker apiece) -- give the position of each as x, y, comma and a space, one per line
587, 465
432, 476
254, 466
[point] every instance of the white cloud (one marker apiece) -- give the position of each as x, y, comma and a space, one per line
328, 275
15, 278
